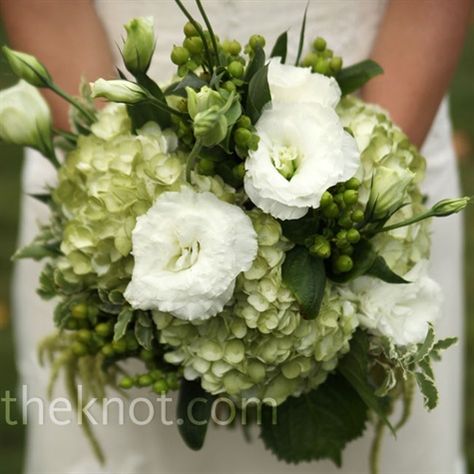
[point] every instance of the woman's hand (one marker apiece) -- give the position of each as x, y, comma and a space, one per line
418, 46
66, 36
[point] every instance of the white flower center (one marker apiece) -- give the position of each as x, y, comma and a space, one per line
286, 159
185, 256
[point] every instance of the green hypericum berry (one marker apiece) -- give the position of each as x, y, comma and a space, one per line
229, 86
232, 47
336, 63
172, 381
192, 65
146, 355
193, 45
321, 67
253, 142
326, 199
189, 30
319, 44
343, 264
352, 183
120, 346
242, 136
339, 198
78, 348
321, 247
309, 60
256, 41
345, 221
239, 171
353, 236
104, 329
341, 239
328, 53
132, 343
347, 250
357, 215
160, 386
108, 350
156, 374
79, 311
179, 55
84, 335
331, 211
235, 69
206, 167
350, 196
126, 383
244, 122
145, 380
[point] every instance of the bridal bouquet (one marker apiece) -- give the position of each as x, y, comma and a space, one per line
250, 230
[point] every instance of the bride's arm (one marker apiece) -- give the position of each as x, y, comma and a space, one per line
66, 36
418, 46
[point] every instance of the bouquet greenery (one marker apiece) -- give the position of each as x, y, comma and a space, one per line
250, 229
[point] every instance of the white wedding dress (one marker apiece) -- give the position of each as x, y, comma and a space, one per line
430, 443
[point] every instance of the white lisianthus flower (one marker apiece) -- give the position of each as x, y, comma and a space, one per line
296, 85
401, 312
303, 150
25, 118
118, 90
189, 248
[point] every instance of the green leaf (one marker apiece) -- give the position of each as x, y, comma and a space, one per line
315, 425
305, 276
37, 251
381, 270
425, 348
123, 320
280, 48
444, 344
301, 41
45, 198
255, 64
194, 411
144, 330
354, 77
428, 389
179, 88
299, 230
258, 94
354, 368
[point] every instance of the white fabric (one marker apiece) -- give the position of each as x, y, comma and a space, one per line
430, 443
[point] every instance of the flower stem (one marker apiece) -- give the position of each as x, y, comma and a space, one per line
211, 31
75, 103
412, 220
375, 449
191, 161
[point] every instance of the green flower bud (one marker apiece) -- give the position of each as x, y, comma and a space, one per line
345, 221
179, 55
239, 171
78, 348
189, 30
25, 118
104, 329
235, 69
257, 41
310, 60
194, 44
327, 53
326, 199
319, 44
229, 86
446, 207
160, 386
108, 350
118, 90
350, 196
321, 247
253, 142
84, 335
343, 264
120, 346
352, 183
341, 239
357, 216
322, 66
139, 46
244, 122
126, 383
353, 236
79, 311
27, 67
206, 167
232, 47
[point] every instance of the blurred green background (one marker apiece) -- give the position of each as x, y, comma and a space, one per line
462, 104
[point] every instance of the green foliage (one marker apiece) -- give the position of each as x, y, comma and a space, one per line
354, 77
280, 48
301, 40
315, 425
123, 320
258, 94
305, 276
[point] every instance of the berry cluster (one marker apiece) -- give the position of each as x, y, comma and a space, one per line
321, 59
340, 216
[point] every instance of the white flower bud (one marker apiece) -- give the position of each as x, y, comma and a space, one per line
25, 118
447, 207
27, 67
118, 90
389, 189
139, 46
